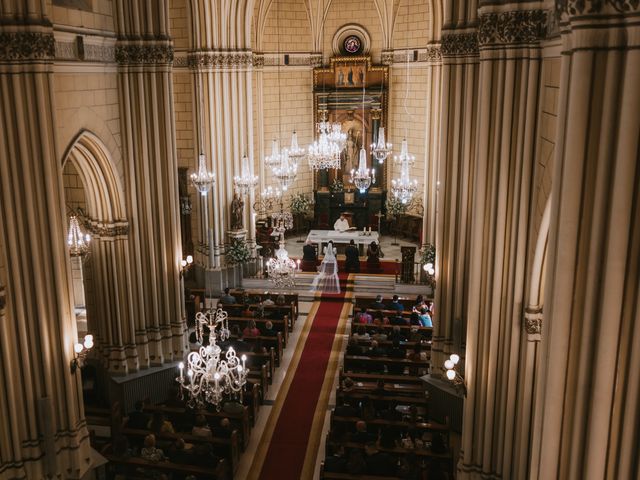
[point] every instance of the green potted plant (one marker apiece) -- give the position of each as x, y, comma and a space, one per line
395, 208
300, 205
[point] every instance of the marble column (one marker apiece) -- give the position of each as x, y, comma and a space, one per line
144, 52
509, 77
588, 425
44, 432
455, 171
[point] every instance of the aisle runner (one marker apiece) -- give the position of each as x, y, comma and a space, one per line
285, 458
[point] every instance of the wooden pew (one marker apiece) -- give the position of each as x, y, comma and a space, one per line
283, 325
269, 342
425, 332
271, 311
227, 448
386, 378
240, 421
364, 360
132, 464
264, 294
393, 399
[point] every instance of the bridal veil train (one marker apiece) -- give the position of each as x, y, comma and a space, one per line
327, 278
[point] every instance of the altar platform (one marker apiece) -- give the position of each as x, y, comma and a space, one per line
322, 237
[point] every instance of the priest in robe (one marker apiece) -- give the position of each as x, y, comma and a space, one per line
342, 224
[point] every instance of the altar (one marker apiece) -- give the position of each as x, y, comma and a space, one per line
323, 236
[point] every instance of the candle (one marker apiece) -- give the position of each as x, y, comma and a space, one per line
181, 367
244, 359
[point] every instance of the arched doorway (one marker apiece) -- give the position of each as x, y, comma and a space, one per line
93, 190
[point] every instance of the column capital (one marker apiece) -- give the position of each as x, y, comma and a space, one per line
21, 46
221, 59
144, 51
533, 322
459, 44
519, 27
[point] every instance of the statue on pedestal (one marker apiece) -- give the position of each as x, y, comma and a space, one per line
237, 211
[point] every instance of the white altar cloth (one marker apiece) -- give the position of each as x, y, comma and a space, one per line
321, 237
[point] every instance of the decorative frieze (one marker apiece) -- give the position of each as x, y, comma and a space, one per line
219, 59
508, 28
90, 53
106, 229
23, 46
579, 7
432, 53
533, 322
144, 53
315, 60
258, 60
459, 44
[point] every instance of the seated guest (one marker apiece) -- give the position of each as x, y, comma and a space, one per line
363, 316
159, 424
396, 352
378, 304
246, 311
346, 409
203, 456
268, 329
178, 454
378, 318
379, 463
414, 319
398, 320
419, 303
375, 350
396, 334
379, 336
309, 258
225, 429
425, 318
415, 335
251, 330
237, 342
396, 305
353, 348
149, 451
361, 435
138, 419
280, 300
352, 258
268, 301
361, 334
347, 384
227, 298
201, 428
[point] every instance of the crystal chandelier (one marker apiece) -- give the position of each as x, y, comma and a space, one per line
404, 188
275, 158
324, 153
405, 157
337, 136
78, 242
282, 221
212, 375
363, 177
381, 149
203, 180
266, 201
246, 182
286, 172
281, 270
296, 154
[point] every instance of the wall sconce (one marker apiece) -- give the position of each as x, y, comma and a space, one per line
80, 352
452, 374
185, 265
428, 269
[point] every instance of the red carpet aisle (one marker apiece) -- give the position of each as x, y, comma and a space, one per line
288, 446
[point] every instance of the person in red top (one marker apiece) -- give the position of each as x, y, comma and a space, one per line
363, 316
251, 330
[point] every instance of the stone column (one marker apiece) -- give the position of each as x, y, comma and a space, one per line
591, 332
455, 171
43, 432
509, 71
144, 52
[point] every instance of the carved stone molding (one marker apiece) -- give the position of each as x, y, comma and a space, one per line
315, 60
258, 60
106, 229
22, 46
459, 44
508, 28
581, 7
216, 59
144, 53
387, 57
533, 322
432, 53
90, 53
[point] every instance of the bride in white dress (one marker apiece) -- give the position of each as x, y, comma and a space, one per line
327, 278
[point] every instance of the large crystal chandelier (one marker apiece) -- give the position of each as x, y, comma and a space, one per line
296, 154
281, 270
405, 157
275, 158
381, 149
203, 180
245, 182
363, 177
286, 172
324, 153
404, 188
78, 242
337, 136
212, 374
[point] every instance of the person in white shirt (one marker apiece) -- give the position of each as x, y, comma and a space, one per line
341, 225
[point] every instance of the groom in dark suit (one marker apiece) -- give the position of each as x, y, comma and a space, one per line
352, 261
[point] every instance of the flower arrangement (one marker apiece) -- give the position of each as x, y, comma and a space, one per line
395, 207
238, 252
336, 186
300, 204
429, 262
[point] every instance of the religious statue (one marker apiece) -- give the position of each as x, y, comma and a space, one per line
237, 211
351, 152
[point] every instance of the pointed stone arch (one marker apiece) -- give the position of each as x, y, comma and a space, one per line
109, 305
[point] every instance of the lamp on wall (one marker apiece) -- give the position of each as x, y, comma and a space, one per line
185, 265
452, 374
80, 351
